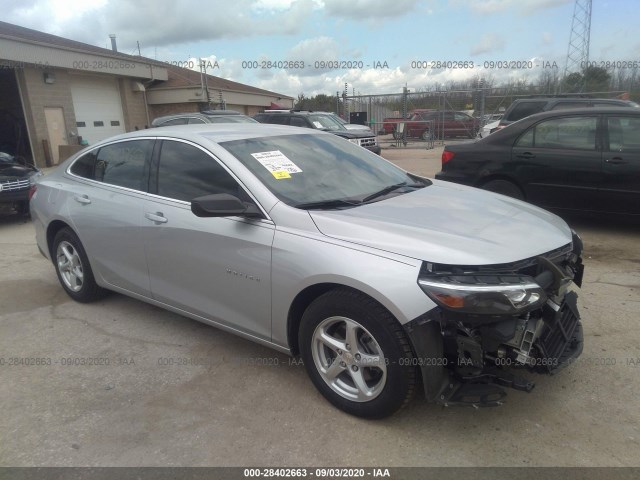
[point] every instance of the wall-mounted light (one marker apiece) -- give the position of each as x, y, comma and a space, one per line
49, 78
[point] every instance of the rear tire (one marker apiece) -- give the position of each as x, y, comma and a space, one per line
73, 269
427, 135
357, 354
504, 187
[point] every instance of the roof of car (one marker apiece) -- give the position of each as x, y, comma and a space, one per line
295, 112
203, 114
585, 111
219, 132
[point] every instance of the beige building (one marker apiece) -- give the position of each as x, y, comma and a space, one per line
189, 91
56, 94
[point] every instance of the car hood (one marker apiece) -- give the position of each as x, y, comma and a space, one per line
448, 223
352, 133
14, 171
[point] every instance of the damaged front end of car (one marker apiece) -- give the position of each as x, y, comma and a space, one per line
495, 320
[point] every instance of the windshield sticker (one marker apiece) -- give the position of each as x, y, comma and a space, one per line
317, 124
277, 163
281, 174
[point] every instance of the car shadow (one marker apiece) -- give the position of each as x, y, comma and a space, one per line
602, 222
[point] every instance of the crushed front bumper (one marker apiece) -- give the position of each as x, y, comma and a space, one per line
469, 361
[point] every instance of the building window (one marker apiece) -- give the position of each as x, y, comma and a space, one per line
98, 124
115, 123
81, 124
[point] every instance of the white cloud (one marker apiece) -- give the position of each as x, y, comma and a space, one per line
488, 43
369, 9
524, 7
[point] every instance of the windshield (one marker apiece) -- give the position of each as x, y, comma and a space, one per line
326, 122
6, 158
302, 169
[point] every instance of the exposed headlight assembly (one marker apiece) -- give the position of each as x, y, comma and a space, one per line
484, 294
354, 140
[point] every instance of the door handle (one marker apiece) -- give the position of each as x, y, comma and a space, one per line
156, 217
83, 199
616, 161
526, 155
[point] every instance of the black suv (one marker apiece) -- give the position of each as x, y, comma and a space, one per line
320, 121
206, 116
16, 184
524, 107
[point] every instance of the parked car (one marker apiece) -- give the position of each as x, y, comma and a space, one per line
262, 230
524, 107
206, 116
321, 121
16, 183
582, 159
439, 124
489, 128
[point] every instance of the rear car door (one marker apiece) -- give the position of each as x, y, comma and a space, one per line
105, 206
559, 162
216, 268
620, 190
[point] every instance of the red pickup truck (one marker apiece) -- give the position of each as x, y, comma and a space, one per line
389, 124
437, 124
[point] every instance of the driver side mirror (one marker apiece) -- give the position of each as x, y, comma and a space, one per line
223, 205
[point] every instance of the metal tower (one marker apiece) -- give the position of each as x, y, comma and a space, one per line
578, 51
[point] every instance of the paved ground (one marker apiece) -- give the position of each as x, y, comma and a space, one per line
232, 411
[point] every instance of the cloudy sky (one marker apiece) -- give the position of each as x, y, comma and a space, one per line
381, 40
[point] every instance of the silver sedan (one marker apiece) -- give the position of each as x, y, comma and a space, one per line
382, 281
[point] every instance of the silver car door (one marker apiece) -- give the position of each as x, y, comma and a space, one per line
216, 268
105, 200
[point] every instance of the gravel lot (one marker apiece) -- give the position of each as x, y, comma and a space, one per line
233, 411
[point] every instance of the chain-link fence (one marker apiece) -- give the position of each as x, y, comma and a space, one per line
426, 119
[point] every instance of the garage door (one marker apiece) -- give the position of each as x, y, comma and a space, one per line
98, 109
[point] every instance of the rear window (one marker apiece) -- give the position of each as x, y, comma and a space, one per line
524, 109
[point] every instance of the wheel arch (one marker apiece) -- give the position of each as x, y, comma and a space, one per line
52, 230
305, 297
498, 176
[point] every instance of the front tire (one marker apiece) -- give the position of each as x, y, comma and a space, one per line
73, 269
357, 354
427, 135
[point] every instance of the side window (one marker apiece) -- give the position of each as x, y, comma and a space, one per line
186, 172
196, 121
279, 119
566, 133
298, 122
624, 134
526, 140
449, 116
524, 109
123, 164
461, 117
84, 166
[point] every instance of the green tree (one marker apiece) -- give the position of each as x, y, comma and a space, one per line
596, 79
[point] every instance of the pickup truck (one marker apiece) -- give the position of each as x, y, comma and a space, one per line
389, 124
438, 124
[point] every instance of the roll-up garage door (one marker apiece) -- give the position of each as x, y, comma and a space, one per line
98, 108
